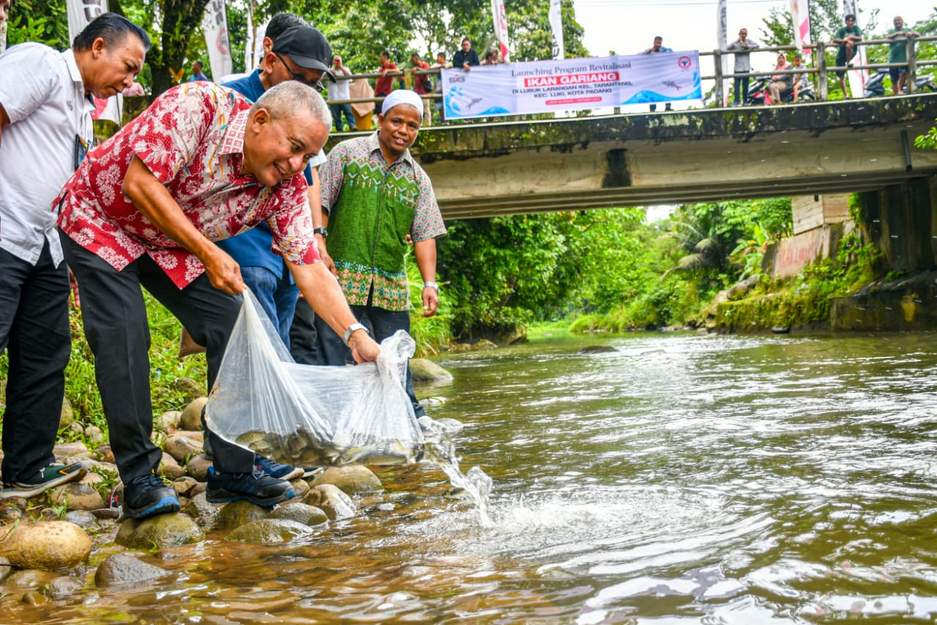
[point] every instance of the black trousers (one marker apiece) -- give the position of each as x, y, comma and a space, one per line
741, 89
383, 324
34, 329
303, 342
114, 316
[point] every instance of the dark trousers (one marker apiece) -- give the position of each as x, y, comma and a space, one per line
303, 343
383, 324
342, 109
34, 329
741, 94
114, 316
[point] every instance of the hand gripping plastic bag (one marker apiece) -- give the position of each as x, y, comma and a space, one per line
305, 415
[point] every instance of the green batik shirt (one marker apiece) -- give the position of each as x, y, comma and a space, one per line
372, 208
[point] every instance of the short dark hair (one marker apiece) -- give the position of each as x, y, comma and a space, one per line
466, 39
657, 37
849, 16
199, 63
799, 56
385, 53
112, 28
282, 22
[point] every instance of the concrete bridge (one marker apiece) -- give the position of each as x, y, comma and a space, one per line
481, 170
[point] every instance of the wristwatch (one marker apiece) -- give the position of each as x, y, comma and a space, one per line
431, 285
352, 329
322, 231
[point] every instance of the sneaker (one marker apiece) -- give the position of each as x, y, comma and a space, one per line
256, 487
48, 477
146, 496
276, 470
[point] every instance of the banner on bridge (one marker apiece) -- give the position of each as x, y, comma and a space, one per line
571, 84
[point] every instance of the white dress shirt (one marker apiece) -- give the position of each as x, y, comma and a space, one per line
42, 92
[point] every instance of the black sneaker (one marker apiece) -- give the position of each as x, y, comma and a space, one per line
256, 487
48, 477
276, 470
146, 496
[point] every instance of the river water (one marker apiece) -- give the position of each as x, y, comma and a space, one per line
679, 479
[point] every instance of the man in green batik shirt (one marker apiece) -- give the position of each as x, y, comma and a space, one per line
898, 53
376, 198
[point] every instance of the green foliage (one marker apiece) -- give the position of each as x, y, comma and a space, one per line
430, 333
38, 20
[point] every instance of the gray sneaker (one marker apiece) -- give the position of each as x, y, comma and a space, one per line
48, 477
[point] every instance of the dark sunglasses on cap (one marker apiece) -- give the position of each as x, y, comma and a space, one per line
317, 85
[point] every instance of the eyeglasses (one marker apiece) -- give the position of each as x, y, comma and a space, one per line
317, 85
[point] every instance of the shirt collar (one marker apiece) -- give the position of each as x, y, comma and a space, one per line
374, 144
233, 140
75, 74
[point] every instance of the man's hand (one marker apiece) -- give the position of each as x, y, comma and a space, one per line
73, 283
223, 272
430, 301
363, 347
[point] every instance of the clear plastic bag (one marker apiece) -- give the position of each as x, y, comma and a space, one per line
307, 416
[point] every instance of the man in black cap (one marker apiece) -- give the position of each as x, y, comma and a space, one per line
303, 54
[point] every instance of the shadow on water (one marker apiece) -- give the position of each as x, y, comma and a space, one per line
677, 479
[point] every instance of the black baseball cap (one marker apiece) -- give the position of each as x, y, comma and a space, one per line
307, 47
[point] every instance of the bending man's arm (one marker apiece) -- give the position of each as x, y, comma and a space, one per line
159, 207
425, 253
4, 121
324, 294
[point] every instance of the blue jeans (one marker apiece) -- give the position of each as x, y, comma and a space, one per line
276, 296
337, 110
383, 323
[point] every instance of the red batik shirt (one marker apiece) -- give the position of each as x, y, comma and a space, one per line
192, 139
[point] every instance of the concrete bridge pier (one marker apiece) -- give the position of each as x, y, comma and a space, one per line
901, 221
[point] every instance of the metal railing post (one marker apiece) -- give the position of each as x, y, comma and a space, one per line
720, 87
822, 87
911, 78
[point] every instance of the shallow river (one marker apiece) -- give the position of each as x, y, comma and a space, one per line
680, 479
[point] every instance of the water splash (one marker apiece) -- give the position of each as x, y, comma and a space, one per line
476, 483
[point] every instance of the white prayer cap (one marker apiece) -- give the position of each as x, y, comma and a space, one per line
403, 96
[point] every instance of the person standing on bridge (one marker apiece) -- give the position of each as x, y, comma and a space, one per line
743, 64
655, 49
898, 53
375, 196
846, 38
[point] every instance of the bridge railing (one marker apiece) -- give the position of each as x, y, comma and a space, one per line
820, 66
818, 69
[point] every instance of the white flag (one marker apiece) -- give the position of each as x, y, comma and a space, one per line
80, 13
215, 26
3, 36
800, 14
556, 24
249, 43
259, 35
723, 43
501, 28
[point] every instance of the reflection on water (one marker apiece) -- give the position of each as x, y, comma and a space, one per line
680, 479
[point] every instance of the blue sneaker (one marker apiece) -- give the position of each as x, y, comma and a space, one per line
146, 496
256, 487
47, 477
276, 470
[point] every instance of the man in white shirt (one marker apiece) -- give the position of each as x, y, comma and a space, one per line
45, 130
338, 91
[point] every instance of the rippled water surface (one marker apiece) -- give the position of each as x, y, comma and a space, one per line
679, 479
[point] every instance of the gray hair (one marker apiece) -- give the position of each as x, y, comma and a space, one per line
291, 97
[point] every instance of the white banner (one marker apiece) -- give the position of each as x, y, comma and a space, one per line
723, 43
215, 26
80, 13
249, 43
800, 14
571, 84
556, 25
501, 28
